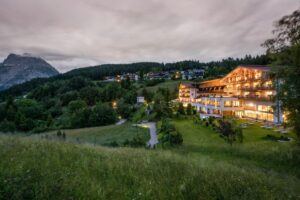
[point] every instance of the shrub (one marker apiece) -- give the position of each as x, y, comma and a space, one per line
113, 144
168, 134
230, 131
7, 126
137, 141
102, 114
276, 138
211, 120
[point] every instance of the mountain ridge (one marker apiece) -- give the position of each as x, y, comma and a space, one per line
17, 69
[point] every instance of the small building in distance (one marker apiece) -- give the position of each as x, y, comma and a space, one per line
140, 99
158, 75
192, 74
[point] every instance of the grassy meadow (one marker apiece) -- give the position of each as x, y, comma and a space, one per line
254, 153
103, 135
204, 167
172, 85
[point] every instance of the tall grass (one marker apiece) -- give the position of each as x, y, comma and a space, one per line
32, 169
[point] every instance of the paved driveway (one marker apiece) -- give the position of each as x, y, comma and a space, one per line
153, 133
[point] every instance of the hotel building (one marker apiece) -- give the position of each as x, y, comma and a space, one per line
246, 92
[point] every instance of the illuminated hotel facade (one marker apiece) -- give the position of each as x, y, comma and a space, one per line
246, 92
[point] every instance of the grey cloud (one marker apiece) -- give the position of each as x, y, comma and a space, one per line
75, 33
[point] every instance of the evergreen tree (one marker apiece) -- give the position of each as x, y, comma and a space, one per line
181, 109
284, 48
189, 109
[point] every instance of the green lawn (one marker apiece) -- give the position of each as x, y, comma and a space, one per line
255, 153
103, 135
170, 84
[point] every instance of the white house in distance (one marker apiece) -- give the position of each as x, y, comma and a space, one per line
140, 99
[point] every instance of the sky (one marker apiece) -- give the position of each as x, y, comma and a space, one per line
79, 33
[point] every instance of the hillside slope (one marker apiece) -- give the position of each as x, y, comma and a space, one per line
32, 169
17, 69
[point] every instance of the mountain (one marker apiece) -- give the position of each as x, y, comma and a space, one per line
17, 69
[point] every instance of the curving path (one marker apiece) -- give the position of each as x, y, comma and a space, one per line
122, 121
153, 134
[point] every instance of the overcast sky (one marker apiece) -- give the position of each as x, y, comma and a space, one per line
77, 33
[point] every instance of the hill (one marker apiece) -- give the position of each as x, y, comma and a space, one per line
32, 169
17, 69
204, 167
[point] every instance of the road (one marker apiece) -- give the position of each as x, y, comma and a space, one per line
153, 133
122, 121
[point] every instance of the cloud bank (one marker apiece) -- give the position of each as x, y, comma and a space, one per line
76, 33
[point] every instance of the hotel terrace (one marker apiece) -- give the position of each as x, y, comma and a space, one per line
246, 92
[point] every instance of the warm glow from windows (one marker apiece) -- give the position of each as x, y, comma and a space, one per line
251, 104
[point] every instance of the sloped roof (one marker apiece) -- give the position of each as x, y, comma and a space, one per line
253, 67
257, 67
219, 82
211, 83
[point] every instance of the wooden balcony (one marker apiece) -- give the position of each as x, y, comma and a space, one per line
256, 88
256, 98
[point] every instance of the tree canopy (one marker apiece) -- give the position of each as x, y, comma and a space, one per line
284, 49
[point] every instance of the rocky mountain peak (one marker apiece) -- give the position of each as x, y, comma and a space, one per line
17, 69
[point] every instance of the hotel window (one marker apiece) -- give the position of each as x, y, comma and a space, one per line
269, 93
255, 85
227, 103
265, 108
236, 103
268, 84
246, 94
247, 85
257, 75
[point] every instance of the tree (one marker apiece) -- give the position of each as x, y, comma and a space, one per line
168, 134
2, 112
77, 82
49, 120
7, 126
102, 114
20, 121
147, 94
130, 97
189, 109
181, 109
89, 95
126, 83
161, 107
81, 118
141, 74
124, 109
59, 133
11, 113
30, 108
76, 105
230, 131
284, 49
68, 97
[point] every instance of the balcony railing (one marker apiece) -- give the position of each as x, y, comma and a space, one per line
256, 88
250, 79
255, 97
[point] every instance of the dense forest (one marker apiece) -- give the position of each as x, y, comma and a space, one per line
213, 69
78, 102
